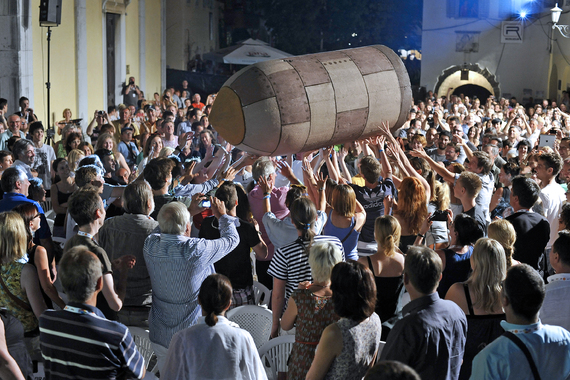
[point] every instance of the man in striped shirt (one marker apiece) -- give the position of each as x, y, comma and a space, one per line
78, 342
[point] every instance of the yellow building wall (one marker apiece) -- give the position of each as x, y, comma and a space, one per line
95, 59
153, 48
62, 70
63, 67
132, 40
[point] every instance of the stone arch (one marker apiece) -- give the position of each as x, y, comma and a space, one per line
451, 78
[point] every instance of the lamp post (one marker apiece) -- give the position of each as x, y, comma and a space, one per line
555, 14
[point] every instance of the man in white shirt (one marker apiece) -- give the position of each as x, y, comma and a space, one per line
548, 346
25, 154
551, 194
556, 309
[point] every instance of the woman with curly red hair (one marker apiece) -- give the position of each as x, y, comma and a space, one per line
411, 210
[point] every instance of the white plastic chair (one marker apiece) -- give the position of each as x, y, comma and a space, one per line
50, 223
144, 346
50, 214
380, 348
261, 294
47, 206
276, 353
256, 320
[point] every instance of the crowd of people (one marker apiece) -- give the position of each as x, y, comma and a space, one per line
438, 250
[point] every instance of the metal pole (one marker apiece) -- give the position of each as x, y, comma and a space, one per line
48, 87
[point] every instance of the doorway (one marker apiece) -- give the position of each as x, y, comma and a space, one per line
473, 91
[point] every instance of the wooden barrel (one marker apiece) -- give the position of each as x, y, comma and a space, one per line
307, 102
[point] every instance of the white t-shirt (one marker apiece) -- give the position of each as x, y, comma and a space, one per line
42, 164
552, 197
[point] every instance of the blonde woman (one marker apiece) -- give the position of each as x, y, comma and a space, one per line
107, 141
387, 266
437, 234
66, 120
503, 231
73, 158
480, 298
86, 148
20, 292
310, 308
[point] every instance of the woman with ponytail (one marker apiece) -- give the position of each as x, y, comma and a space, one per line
387, 266
214, 348
290, 264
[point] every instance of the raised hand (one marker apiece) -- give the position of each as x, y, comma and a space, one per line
322, 181
183, 138
218, 207
418, 153
195, 207
285, 169
265, 184
209, 152
343, 153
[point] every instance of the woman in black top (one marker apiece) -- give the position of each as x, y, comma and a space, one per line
38, 256
479, 297
387, 266
60, 193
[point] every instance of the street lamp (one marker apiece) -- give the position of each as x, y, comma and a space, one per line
555, 14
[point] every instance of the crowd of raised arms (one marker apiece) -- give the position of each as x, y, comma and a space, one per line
437, 250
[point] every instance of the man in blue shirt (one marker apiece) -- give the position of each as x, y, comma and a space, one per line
15, 184
549, 346
431, 336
